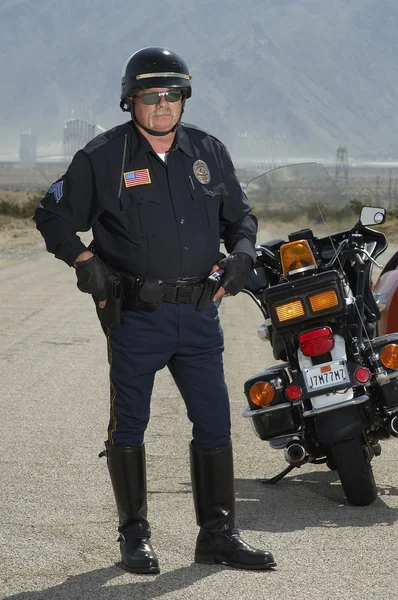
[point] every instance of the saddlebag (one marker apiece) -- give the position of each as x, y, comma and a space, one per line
279, 417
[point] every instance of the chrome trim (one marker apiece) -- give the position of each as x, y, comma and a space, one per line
383, 377
298, 433
392, 374
277, 383
248, 412
262, 333
165, 74
301, 458
302, 270
394, 425
318, 411
343, 243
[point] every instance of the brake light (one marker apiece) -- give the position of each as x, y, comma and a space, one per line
362, 375
262, 393
297, 257
293, 392
316, 342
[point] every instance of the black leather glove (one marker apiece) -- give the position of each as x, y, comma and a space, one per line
91, 277
237, 268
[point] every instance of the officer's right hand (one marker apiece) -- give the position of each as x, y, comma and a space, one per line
91, 278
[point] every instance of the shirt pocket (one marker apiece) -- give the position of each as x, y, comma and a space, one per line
140, 211
211, 196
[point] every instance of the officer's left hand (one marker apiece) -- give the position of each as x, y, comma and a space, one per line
237, 268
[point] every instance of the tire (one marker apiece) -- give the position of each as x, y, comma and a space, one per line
355, 471
330, 462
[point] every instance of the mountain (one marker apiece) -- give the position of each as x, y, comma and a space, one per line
294, 77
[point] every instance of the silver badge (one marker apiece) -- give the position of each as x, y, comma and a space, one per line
201, 171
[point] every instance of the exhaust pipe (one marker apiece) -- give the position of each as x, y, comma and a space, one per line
394, 426
296, 453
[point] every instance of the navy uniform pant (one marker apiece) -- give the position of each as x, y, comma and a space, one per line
190, 344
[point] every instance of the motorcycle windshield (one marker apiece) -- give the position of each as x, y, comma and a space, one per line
296, 197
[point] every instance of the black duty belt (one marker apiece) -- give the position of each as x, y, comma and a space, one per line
178, 292
182, 292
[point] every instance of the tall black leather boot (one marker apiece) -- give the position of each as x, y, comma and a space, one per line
218, 540
128, 475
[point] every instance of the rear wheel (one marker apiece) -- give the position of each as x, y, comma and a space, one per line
355, 471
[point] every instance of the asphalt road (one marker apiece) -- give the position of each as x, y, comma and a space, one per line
57, 514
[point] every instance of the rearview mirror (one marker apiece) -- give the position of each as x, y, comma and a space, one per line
371, 215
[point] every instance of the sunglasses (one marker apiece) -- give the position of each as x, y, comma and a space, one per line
154, 97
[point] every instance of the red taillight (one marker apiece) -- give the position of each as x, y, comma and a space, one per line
316, 342
362, 375
293, 392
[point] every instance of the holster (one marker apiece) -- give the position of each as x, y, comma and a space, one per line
111, 314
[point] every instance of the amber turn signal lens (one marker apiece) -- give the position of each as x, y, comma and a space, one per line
262, 393
297, 256
389, 356
291, 310
324, 300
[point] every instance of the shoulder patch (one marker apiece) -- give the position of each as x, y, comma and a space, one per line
57, 189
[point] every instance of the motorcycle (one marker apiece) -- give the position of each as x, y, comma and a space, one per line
334, 396
386, 293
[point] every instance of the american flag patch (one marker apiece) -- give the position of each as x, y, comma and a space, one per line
137, 177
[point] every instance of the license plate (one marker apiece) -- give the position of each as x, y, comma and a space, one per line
326, 376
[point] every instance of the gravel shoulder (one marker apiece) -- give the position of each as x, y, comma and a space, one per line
58, 519
19, 240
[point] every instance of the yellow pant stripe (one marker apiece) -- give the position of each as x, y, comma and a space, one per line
113, 390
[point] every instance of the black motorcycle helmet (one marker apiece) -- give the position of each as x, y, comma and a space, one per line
153, 67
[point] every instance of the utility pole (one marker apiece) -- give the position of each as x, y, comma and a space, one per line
378, 190
390, 188
341, 171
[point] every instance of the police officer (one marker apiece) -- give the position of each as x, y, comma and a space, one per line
159, 195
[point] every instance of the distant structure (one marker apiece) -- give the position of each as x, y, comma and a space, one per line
341, 170
260, 153
279, 150
28, 150
77, 133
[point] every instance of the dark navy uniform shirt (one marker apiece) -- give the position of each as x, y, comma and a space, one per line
149, 218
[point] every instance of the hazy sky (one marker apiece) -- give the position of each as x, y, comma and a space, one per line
283, 77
